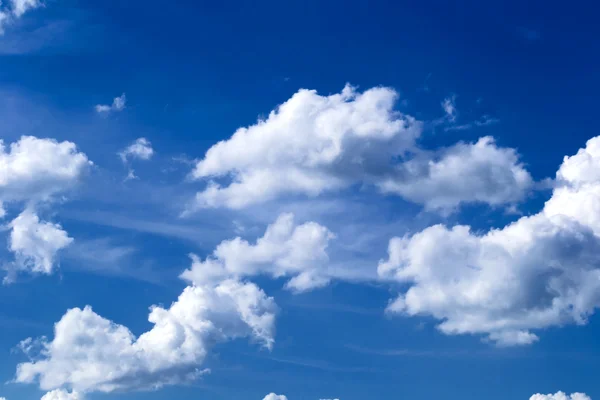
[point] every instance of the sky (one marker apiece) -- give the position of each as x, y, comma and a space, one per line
299, 200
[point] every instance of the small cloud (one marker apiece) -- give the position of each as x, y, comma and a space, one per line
449, 107
141, 149
118, 104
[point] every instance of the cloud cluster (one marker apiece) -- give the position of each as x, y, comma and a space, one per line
314, 144
285, 250
34, 171
540, 271
90, 353
117, 105
560, 396
15, 11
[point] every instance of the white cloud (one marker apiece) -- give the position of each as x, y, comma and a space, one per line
449, 107
20, 7
140, 149
480, 172
314, 144
90, 353
16, 11
273, 396
118, 104
35, 169
540, 271
560, 396
60, 394
285, 250
35, 244
310, 144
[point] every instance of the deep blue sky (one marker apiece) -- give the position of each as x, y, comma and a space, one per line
193, 72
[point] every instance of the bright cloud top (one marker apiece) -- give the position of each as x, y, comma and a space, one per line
560, 396
60, 394
313, 144
286, 249
34, 169
117, 105
35, 244
273, 396
90, 353
308, 145
537, 272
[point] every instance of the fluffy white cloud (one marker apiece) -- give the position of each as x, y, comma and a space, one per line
313, 144
540, 271
91, 353
308, 145
480, 172
35, 244
60, 394
34, 169
286, 249
118, 104
560, 396
273, 396
140, 149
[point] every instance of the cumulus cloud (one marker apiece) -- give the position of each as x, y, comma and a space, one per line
313, 144
15, 11
141, 149
90, 353
540, 271
118, 104
34, 169
478, 172
560, 396
308, 145
285, 250
60, 394
273, 396
35, 244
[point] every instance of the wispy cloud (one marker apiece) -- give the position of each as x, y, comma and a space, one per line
117, 105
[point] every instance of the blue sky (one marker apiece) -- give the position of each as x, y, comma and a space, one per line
314, 200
